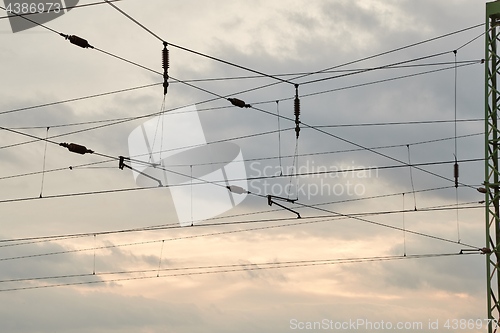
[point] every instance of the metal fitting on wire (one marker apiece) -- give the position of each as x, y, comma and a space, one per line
75, 148
78, 41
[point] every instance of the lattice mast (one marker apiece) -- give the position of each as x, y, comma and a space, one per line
492, 191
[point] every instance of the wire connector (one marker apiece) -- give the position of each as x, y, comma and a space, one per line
83, 43
75, 148
239, 103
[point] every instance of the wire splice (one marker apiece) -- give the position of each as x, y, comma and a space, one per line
166, 66
297, 111
78, 41
75, 148
239, 103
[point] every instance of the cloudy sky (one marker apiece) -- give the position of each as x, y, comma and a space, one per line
378, 245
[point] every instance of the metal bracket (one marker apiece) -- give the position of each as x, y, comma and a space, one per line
270, 202
121, 165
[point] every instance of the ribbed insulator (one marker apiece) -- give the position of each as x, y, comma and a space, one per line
166, 60
297, 107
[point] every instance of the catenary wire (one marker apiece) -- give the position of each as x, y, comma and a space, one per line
189, 84
311, 220
338, 216
79, 99
137, 22
61, 8
155, 113
358, 145
330, 68
248, 267
211, 219
196, 52
256, 159
219, 182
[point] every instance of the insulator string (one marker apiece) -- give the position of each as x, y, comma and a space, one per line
166, 66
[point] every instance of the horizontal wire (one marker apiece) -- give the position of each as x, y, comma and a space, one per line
78, 99
273, 263
358, 145
318, 173
383, 81
395, 50
338, 216
325, 132
118, 121
248, 77
161, 226
204, 89
196, 52
290, 156
359, 85
55, 31
156, 113
156, 84
61, 8
391, 123
229, 269
34, 22
415, 122
56, 169
220, 182
389, 226
374, 68
254, 159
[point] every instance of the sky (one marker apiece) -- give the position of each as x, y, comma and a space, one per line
87, 247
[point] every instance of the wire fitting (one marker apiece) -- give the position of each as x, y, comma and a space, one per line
239, 103
237, 189
78, 41
121, 165
270, 202
75, 148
